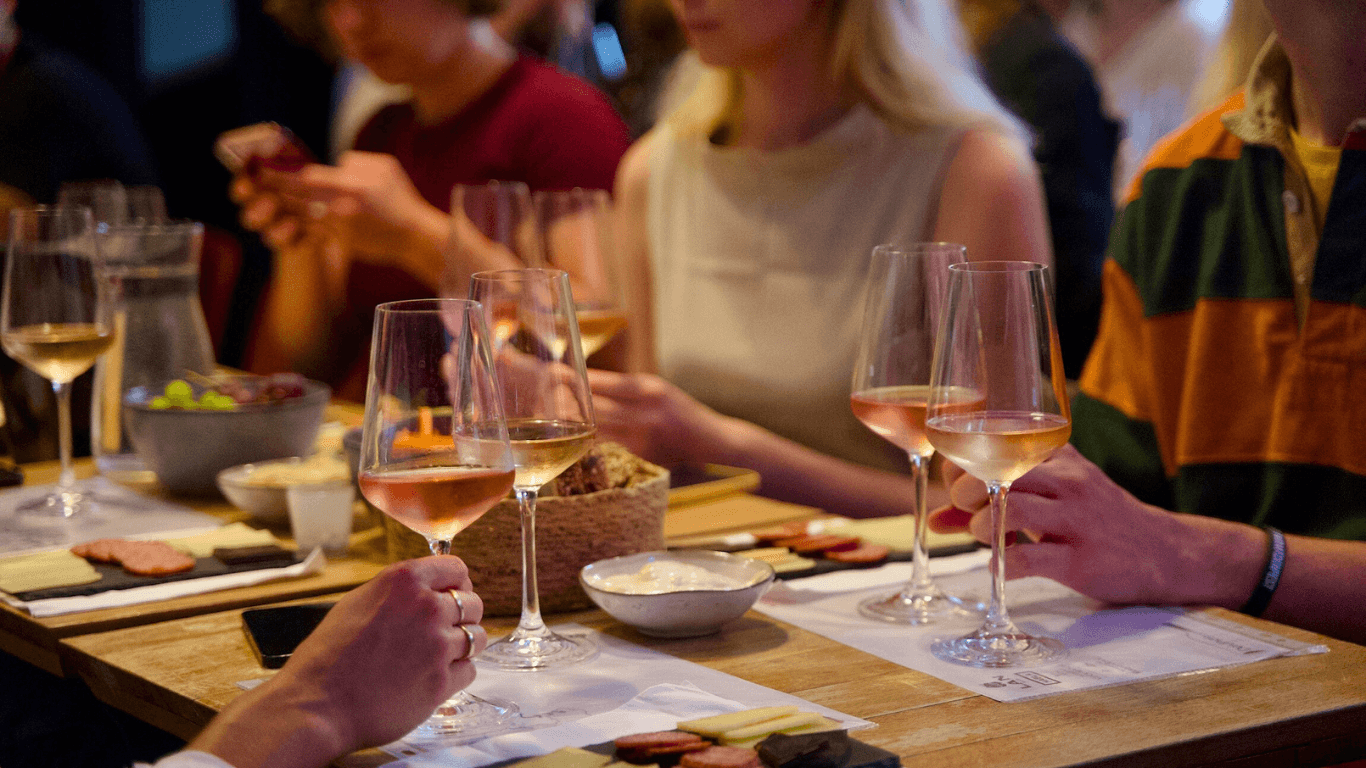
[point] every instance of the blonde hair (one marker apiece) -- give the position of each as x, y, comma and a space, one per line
1249, 26
907, 60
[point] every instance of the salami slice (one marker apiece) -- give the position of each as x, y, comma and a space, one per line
722, 757
866, 554
140, 558
829, 542
657, 746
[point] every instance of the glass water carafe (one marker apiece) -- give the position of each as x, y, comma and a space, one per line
161, 333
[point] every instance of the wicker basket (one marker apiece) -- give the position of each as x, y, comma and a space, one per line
571, 532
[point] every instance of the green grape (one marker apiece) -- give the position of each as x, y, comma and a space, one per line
179, 392
160, 402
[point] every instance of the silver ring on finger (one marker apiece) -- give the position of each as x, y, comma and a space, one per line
469, 636
459, 607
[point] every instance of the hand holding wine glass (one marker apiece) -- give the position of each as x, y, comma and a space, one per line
434, 446
55, 319
550, 425
998, 340
903, 301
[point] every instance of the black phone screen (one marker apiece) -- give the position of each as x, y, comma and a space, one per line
276, 631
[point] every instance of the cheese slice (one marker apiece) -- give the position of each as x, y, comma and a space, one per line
716, 725
45, 570
765, 727
824, 724
233, 535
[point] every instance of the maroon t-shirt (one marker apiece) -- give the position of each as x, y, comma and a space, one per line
536, 125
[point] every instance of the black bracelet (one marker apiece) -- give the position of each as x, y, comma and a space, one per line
1271, 574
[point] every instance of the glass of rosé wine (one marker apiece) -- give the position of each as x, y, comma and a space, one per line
998, 339
434, 451
902, 304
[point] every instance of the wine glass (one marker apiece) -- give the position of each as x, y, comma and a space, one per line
998, 340
434, 447
576, 229
493, 226
550, 423
903, 302
55, 319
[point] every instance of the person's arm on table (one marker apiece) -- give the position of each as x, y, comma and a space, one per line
1093, 536
381, 661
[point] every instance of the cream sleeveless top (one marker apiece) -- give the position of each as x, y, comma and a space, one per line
759, 262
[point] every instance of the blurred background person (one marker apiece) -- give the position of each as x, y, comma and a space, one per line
1040, 77
374, 227
1248, 27
1147, 55
811, 133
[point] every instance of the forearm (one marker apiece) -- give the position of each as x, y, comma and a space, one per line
422, 250
792, 472
1321, 588
274, 725
298, 308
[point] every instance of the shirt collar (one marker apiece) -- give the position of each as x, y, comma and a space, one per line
1267, 114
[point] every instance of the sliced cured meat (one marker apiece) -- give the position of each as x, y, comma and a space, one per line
828, 542
140, 558
657, 746
722, 757
866, 554
784, 531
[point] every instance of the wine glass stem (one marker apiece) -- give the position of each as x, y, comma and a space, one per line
920, 561
439, 546
531, 596
67, 479
997, 620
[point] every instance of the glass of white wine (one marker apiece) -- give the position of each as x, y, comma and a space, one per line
999, 340
55, 319
576, 228
434, 447
902, 304
550, 424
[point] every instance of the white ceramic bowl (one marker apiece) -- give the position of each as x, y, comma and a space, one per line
265, 498
682, 612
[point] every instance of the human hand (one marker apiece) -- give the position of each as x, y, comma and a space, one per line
655, 419
382, 660
1086, 532
266, 209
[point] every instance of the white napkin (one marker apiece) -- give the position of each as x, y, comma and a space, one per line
866, 578
56, 606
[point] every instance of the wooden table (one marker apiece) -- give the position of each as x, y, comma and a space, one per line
36, 640
1302, 711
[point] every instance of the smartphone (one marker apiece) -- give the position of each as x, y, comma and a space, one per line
276, 631
268, 145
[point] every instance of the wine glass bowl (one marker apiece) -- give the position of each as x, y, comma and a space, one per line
55, 319
434, 452
550, 423
891, 388
999, 341
576, 229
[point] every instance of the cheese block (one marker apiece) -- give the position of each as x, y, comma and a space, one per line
45, 570
716, 725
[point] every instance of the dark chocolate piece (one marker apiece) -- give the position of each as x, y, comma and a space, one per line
265, 553
822, 749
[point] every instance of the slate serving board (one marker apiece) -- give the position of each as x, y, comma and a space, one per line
113, 576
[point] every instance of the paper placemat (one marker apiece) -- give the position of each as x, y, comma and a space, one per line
127, 514
1105, 646
626, 688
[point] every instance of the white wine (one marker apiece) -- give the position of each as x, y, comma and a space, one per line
597, 327
998, 446
58, 352
897, 414
543, 448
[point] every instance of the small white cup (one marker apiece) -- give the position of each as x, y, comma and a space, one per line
320, 516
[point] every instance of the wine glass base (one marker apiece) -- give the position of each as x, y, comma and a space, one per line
926, 606
60, 508
464, 718
537, 651
1011, 649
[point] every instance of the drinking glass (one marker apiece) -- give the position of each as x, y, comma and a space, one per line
550, 423
493, 226
55, 319
434, 445
902, 305
998, 340
576, 231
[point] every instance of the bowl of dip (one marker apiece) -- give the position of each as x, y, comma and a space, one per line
685, 593
260, 488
